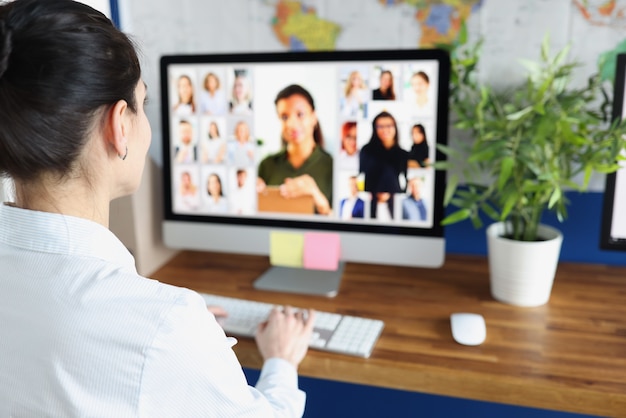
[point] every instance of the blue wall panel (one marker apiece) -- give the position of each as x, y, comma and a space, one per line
581, 233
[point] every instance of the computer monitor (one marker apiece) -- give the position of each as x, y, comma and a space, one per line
243, 157
613, 231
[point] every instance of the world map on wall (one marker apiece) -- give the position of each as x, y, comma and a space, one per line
299, 25
605, 13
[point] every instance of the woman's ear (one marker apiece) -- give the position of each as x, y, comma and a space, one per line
117, 127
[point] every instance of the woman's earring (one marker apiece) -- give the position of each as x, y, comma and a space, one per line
123, 157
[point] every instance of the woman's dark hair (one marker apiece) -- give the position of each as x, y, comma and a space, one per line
217, 129
293, 90
391, 91
61, 63
420, 128
375, 136
219, 181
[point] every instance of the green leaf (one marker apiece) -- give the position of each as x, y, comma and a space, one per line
558, 59
520, 114
509, 204
449, 151
476, 221
459, 215
587, 178
462, 34
490, 211
451, 188
545, 48
555, 197
506, 168
444, 165
532, 66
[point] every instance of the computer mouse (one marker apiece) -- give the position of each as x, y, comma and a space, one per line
468, 328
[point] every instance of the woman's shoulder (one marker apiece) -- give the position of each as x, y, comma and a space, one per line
325, 155
400, 151
275, 158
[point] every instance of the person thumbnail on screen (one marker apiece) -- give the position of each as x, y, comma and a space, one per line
213, 146
241, 97
413, 205
212, 98
352, 206
186, 149
302, 168
384, 163
187, 196
185, 104
349, 154
419, 155
385, 90
420, 83
215, 200
241, 150
354, 101
241, 197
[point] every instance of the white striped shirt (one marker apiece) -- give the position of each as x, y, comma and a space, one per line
83, 334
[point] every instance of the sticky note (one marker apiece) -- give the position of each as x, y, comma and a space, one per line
286, 249
321, 251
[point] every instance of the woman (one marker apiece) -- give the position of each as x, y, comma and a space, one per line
383, 162
385, 91
212, 99
302, 168
241, 100
186, 104
241, 150
420, 82
216, 202
214, 147
83, 334
188, 192
354, 100
349, 154
419, 153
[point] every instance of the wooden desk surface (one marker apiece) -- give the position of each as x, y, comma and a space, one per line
569, 355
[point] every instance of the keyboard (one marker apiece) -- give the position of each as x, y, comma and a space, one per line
344, 334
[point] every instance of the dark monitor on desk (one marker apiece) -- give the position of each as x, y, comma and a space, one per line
613, 232
297, 142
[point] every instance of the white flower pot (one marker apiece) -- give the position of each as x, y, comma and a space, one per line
521, 272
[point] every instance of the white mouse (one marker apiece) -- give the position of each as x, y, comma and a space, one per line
468, 328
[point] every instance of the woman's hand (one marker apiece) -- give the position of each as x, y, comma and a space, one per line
219, 313
260, 185
305, 185
286, 334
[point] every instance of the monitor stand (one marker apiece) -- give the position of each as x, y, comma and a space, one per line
301, 280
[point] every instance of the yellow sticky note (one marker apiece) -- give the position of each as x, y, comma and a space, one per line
286, 249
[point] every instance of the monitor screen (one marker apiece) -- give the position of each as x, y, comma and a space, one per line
613, 232
339, 142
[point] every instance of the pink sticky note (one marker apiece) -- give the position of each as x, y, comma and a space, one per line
321, 251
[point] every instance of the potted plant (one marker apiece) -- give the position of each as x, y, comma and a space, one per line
529, 144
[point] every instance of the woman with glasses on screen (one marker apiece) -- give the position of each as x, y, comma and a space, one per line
83, 334
303, 167
383, 162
